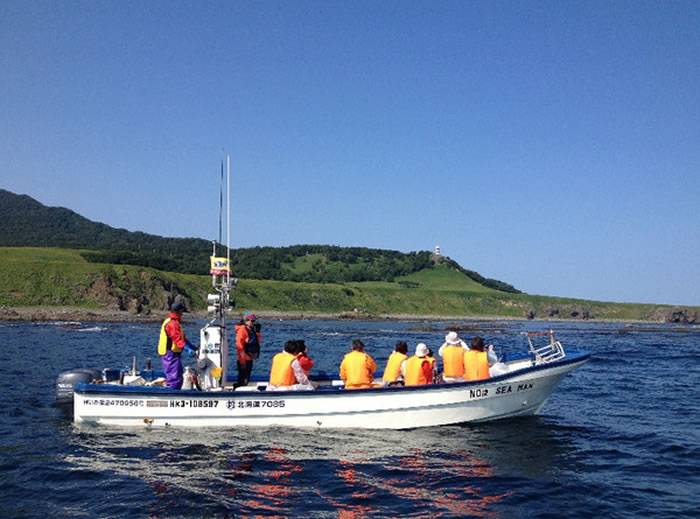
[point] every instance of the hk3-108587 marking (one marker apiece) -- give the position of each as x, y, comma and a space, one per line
194, 403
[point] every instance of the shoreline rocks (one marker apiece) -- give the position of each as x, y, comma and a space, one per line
682, 315
61, 313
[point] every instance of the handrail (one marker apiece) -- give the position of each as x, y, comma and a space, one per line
549, 353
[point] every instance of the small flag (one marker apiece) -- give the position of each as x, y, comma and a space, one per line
219, 266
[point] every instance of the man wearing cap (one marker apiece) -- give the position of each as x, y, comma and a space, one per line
247, 347
171, 343
452, 353
417, 369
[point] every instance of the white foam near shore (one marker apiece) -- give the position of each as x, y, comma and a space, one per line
93, 329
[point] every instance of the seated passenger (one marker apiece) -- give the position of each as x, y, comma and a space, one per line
491, 355
286, 374
305, 361
476, 362
417, 369
452, 353
433, 363
496, 366
392, 372
357, 369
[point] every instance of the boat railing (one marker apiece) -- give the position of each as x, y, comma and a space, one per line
550, 352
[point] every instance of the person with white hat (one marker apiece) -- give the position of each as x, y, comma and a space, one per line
452, 339
452, 353
417, 369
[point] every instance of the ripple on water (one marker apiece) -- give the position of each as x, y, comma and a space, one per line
618, 439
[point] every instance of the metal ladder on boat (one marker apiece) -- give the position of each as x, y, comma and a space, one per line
544, 354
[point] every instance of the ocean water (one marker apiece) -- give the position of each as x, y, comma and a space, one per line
619, 438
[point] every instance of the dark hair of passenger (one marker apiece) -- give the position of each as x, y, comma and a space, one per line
358, 345
477, 344
290, 346
430, 352
301, 346
401, 347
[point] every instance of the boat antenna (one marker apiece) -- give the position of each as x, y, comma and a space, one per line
228, 220
222, 283
221, 198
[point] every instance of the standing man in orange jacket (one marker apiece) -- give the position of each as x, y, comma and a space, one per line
248, 339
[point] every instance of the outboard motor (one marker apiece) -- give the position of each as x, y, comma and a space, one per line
66, 381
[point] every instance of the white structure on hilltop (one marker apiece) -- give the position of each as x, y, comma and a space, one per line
437, 250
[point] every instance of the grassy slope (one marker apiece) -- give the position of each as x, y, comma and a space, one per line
443, 278
48, 276
31, 276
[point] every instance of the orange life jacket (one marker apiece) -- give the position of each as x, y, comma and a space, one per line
281, 372
433, 365
357, 370
453, 361
415, 376
476, 365
393, 366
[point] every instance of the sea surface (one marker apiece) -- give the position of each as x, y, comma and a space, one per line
619, 438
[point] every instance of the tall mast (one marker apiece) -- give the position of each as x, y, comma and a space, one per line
228, 220
214, 337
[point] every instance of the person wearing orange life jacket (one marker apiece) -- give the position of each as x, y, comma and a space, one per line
171, 343
357, 369
476, 362
392, 372
417, 369
248, 339
286, 373
452, 353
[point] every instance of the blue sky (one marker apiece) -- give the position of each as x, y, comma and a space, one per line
552, 145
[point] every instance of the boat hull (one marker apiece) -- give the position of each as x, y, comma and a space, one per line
523, 392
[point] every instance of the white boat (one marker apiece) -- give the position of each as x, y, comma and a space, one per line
521, 387
523, 390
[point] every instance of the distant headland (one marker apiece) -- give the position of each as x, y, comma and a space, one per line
55, 264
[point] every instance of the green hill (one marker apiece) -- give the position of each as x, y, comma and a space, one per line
91, 265
32, 276
28, 223
61, 277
